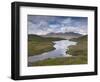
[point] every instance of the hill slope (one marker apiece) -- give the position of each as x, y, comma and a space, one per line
80, 48
38, 45
78, 52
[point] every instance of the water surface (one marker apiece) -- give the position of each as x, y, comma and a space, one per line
60, 51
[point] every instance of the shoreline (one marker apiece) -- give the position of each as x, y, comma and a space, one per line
53, 54
78, 52
38, 45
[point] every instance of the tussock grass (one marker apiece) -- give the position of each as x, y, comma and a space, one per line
62, 61
78, 52
38, 45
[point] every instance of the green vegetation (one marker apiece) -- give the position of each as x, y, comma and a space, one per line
61, 61
38, 44
80, 49
78, 52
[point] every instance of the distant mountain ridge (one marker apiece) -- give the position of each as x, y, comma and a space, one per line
66, 35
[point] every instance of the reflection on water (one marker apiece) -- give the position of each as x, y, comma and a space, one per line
60, 51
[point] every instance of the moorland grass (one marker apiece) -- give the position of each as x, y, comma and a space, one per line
38, 45
61, 61
78, 52
80, 49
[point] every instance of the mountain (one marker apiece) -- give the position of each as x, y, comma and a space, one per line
33, 37
37, 38
82, 38
66, 35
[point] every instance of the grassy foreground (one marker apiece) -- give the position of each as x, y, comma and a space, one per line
78, 52
61, 61
38, 45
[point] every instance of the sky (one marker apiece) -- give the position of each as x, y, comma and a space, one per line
42, 24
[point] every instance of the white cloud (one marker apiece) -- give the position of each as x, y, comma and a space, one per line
66, 21
40, 25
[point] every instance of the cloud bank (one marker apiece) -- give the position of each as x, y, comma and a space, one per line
41, 25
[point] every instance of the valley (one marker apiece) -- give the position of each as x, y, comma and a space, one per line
40, 44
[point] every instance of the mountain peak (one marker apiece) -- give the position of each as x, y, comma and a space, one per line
60, 33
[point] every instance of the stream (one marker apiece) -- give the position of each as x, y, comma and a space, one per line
60, 51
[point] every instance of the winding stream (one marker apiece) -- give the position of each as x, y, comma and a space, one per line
60, 51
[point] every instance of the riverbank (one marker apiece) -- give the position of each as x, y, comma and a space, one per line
38, 45
78, 52
81, 48
61, 61
60, 51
